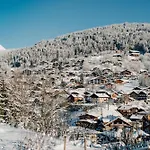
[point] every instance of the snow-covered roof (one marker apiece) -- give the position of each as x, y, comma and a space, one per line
134, 104
79, 91
88, 120
103, 111
127, 87
147, 112
125, 107
102, 95
122, 118
134, 51
107, 113
136, 116
78, 95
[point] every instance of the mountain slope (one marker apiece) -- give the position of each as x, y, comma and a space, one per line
32, 80
86, 43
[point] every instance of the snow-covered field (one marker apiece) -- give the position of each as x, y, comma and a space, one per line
17, 139
10, 137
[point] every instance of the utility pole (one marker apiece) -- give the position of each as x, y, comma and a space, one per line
85, 143
65, 142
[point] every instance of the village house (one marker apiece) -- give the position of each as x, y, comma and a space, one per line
146, 113
118, 81
107, 72
142, 120
98, 80
116, 75
43, 63
87, 123
146, 120
75, 97
125, 73
117, 123
99, 97
137, 117
106, 62
138, 95
137, 88
118, 64
88, 120
128, 110
107, 118
134, 53
117, 56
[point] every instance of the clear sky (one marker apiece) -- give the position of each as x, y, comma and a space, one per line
26, 22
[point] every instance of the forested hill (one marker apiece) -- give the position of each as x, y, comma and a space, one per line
85, 43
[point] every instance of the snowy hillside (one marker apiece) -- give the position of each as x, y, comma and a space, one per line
86, 43
47, 88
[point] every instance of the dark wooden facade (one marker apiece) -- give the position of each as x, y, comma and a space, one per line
138, 95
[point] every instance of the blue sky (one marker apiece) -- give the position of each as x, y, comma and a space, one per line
26, 22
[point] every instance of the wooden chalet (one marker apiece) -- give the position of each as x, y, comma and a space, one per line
106, 62
118, 81
146, 113
87, 123
117, 123
100, 97
138, 95
128, 110
134, 53
136, 117
106, 117
88, 116
117, 56
98, 80
75, 97
125, 73
137, 88
107, 72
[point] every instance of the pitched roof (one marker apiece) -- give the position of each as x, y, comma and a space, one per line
101, 95
77, 95
137, 88
121, 118
134, 104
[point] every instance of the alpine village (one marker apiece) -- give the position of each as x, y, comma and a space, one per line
90, 89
